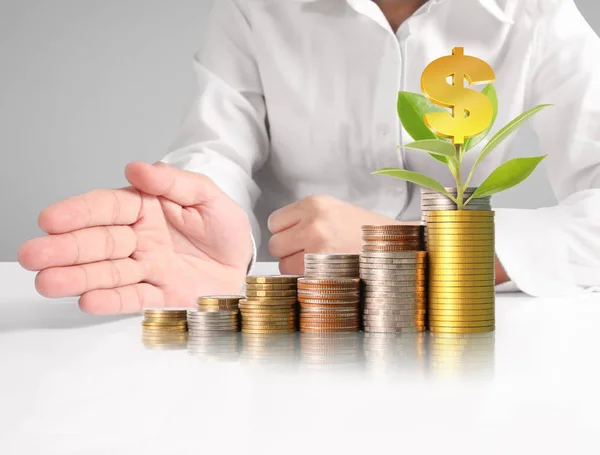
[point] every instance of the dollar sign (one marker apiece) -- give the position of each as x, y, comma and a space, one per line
472, 112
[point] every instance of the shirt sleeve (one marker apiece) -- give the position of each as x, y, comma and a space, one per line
556, 250
225, 135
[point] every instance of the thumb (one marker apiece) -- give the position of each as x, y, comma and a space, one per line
184, 188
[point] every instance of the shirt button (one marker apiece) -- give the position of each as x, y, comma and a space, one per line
384, 129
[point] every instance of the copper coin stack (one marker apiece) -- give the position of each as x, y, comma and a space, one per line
331, 265
393, 274
329, 304
270, 304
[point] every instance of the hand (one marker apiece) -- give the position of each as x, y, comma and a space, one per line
172, 236
317, 224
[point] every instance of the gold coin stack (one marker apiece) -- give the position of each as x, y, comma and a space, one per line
163, 320
329, 304
219, 302
331, 265
394, 279
270, 305
461, 271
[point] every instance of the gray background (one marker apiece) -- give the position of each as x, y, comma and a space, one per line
87, 86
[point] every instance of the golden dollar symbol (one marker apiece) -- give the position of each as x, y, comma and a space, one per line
472, 112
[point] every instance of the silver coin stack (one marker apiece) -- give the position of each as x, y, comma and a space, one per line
203, 322
394, 280
331, 265
433, 201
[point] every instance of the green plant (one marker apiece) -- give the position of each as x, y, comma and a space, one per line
412, 108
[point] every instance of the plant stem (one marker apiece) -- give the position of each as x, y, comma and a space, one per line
459, 187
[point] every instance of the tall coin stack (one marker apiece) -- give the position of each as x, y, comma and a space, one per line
331, 265
329, 304
393, 273
432, 200
270, 304
461, 271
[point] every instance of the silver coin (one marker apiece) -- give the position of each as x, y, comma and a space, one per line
384, 294
328, 269
367, 261
395, 275
373, 318
325, 275
405, 304
393, 313
371, 283
395, 254
330, 256
212, 313
406, 267
393, 324
395, 309
392, 330
220, 317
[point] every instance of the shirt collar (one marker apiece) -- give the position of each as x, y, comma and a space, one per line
491, 6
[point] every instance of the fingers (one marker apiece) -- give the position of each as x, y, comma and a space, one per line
123, 300
287, 242
96, 208
292, 265
79, 247
73, 281
285, 218
182, 187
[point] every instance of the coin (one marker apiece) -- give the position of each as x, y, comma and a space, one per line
462, 329
333, 281
327, 257
267, 331
405, 262
252, 293
271, 287
272, 279
414, 255
395, 329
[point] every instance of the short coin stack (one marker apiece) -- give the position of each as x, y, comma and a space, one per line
219, 302
331, 265
329, 304
205, 322
394, 279
270, 304
163, 320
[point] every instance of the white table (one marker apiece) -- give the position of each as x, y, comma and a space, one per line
74, 383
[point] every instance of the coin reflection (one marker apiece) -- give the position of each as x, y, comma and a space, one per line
269, 348
330, 350
157, 340
460, 355
396, 353
214, 346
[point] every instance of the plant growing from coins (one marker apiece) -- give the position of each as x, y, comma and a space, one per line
448, 137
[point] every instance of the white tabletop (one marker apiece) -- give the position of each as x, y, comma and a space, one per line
74, 383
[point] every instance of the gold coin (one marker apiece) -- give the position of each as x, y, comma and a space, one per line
487, 228
455, 321
433, 308
252, 293
433, 276
272, 279
268, 301
246, 308
462, 313
450, 214
462, 329
219, 300
438, 244
155, 312
271, 287
268, 331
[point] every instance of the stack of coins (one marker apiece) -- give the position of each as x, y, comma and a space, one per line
202, 322
432, 200
270, 305
394, 280
331, 265
164, 321
219, 302
329, 304
327, 350
461, 271
394, 237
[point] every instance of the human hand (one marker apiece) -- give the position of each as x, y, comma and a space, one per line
317, 224
170, 237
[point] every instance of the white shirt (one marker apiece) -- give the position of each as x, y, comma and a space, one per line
298, 97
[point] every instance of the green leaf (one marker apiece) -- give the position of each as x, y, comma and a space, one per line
507, 175
501, 135
489, 91
413, 177
433, 146
412, 108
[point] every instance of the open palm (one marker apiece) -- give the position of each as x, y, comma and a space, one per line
171, 236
